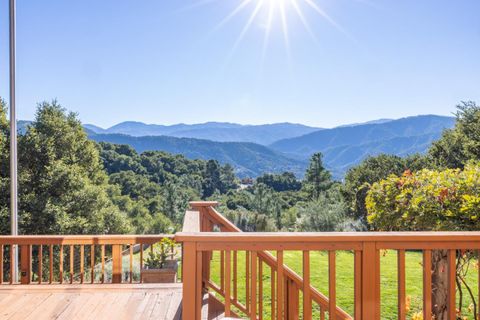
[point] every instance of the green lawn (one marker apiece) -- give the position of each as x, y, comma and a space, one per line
319, 279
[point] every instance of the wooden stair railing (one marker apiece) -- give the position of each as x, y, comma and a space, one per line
208, 219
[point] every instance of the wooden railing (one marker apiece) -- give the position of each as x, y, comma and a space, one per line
204, 218
286, 286
73, 259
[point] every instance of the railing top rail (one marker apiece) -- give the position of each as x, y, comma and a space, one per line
82, 239
259, 237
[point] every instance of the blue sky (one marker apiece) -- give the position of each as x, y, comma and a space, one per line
160, 61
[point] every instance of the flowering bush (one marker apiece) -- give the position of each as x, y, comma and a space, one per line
427, 200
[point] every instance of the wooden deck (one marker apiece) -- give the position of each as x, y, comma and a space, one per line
108, 301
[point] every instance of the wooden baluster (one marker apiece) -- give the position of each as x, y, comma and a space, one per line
247, 280
40, 264
253, 267
332, 295
280, 279
103, 263
227, 284
82, 263
92, 263
25, 264
285, 298
370, 281
452, 272
272, 292
427, 284
292, 300
1, 263
235, 276
60, 272
402, 310
478, 283
222, 272
322, 314
307, 302
117, 263
357, 285
50, 267
199, 285
72, 269
260, 288
12, 262
141, 262
131, 263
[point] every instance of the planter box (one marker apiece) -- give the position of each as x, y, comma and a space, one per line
168, 274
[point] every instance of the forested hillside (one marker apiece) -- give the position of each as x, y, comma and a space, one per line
248, 159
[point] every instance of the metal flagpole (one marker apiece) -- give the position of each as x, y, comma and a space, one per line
13, 143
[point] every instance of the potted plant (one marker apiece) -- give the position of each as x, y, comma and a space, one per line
160, 265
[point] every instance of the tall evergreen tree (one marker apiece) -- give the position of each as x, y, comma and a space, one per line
317, 178
211, 181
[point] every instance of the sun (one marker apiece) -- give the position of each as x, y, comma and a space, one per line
278, 11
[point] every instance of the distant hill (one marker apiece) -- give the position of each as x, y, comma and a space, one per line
249, 159
348, 145
215, 131
340, 159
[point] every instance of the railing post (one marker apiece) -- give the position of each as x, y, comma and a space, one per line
25, 264
116, 263
205, 226
190, 302
370, 282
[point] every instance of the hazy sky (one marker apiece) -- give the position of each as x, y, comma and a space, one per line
169, 61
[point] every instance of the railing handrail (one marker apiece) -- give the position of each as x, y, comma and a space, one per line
82, 239
416, 236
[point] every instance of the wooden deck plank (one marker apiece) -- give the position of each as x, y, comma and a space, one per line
96, 312
136, 301
174, 311
13, 304
75, 307
149, 306
30, 307
51, 307
160, 309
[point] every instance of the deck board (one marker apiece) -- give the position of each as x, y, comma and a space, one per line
126, 301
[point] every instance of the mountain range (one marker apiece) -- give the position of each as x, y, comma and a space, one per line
216, 131
256, 149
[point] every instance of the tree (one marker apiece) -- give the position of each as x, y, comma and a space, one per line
4, 170
175, 202
228, 180
62, 185
212, 181
446, 200
266, 202
373, 169
280, 182
317, 178
462, 143
327, 213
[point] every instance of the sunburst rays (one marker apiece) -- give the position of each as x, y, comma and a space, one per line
279, 10
275, 10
